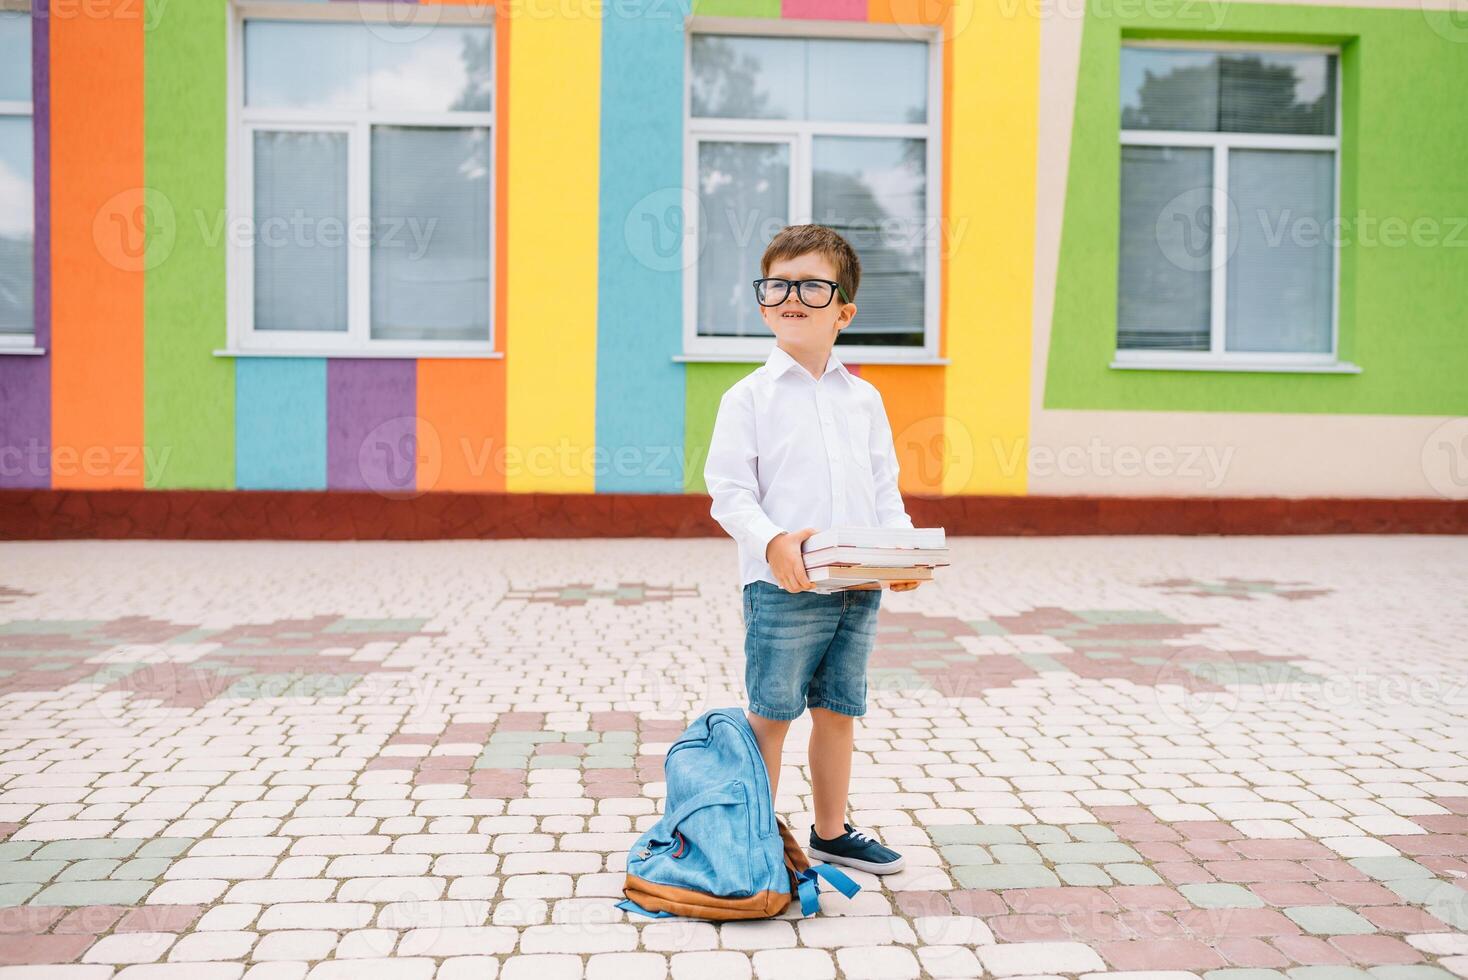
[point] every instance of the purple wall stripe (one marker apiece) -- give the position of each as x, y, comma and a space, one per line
25, 380
371, 424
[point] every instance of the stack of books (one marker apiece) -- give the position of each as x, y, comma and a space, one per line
841, 557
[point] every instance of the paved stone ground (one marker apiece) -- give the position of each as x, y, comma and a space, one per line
1235, 758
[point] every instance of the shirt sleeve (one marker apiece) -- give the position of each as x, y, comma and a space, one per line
731, 474
890, 510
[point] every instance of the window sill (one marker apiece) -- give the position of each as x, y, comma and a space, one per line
416, 355
845, 357
1222, 364
25, 351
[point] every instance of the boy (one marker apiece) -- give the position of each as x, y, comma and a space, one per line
802, 444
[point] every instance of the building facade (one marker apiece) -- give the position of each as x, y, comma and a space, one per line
1110, 247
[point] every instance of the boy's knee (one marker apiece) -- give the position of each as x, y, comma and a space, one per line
826, 717
766, 726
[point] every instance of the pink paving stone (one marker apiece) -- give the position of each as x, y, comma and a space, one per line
390, 762
1247, 871
480, 775
1309, 951
1250, 952
1336, 870
1440, 864
412, 739
7, 828
491, 793
1457, 804
1442, 823
1151, 924
1028, 928
1209, 850
1359, 893
977, 901
159, 918
919, 904
1145, 831
1157, 850
1287, 893
613, 721
1182, 873
19, 948
458, 762
608, 791
1160, 954
91, 920
1097, 927
436, 777
521, 721
1403, 918
1059, 901
1447, 844
1284, 850
1206, 830
1212, 924
29, 918
1148, 898
1375, 950
466, 732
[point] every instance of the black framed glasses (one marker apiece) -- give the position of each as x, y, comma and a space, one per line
815, 293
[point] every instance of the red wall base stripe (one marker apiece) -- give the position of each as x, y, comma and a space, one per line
342, 515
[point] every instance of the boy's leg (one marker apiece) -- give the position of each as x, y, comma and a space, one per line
770, 735
831, 746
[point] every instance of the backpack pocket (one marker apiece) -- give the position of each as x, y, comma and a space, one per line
705, 845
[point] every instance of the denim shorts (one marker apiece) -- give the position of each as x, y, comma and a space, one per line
804, 649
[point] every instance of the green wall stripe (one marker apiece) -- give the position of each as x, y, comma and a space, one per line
1400, 306
188, 393
704, 386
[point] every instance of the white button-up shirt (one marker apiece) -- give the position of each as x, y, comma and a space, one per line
790, 451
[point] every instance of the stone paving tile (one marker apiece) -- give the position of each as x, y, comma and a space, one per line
1132, 759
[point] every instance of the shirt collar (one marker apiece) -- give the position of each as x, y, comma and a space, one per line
779, 362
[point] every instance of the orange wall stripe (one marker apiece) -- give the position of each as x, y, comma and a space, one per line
100, 216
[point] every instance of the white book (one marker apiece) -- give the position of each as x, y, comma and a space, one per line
881, 557
834, 578
875, 537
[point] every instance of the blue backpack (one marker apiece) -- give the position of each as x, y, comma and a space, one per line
719, 851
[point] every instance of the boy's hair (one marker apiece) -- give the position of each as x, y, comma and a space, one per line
793, 240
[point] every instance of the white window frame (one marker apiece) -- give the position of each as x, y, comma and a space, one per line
798, 133
23, 343
1217, 357
244, 121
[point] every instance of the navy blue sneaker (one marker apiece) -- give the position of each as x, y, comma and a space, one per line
856, 849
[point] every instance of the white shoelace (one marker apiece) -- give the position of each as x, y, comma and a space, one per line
860, 835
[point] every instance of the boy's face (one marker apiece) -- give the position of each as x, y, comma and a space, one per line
795, 325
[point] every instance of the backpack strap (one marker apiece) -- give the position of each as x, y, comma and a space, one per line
809, 886
627, 905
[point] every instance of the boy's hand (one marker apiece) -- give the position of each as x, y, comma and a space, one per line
786, 562
904, 586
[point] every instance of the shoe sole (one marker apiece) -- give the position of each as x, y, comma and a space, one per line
869, 867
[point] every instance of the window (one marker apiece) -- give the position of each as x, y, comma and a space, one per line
1228, 205
840, 131
17, 186
363, 173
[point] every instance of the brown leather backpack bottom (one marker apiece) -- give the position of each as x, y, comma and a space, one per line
695, 904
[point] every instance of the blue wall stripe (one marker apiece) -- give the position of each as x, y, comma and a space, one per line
639, 388
280, 423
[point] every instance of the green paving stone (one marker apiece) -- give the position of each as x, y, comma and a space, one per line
1089, 853
960, 833
619, 736
375, 626
1082, 874
1419, 890
1015, 854
94, 893
1006, 876
518, 736
1040, 663
164, 847
17, 892
14, 850
1409, 971
987, 627
1220, 895
82, 850
930, 664
1329, 920
608, 748
93, 870
1328, 973
1155, 662
607, 762
498, 762
555, 762
49, 627
1093, 832
1044, 833
582, 737
1243, 975
1133, 874
142, 869
957, 854
1390, 868
11, 871
1105, 617
1102, 655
